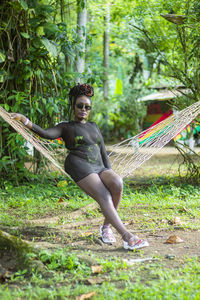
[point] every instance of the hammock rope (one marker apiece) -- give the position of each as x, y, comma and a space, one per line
127, 155
138, 149
45, 147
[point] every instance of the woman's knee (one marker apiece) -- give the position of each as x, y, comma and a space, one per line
116, 184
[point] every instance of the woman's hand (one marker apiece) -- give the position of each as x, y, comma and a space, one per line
18, 117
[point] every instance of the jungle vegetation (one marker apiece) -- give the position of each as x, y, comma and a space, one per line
125, 49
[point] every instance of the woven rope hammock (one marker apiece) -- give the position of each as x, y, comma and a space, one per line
47, 148
125, 156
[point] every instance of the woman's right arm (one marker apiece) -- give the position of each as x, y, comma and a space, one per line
50, 133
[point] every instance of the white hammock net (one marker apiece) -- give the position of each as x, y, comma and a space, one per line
125, 156
130, 154
49, 149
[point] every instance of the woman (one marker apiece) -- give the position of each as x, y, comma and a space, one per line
88, 163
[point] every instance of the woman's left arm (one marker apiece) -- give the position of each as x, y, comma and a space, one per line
49, 133
104, 154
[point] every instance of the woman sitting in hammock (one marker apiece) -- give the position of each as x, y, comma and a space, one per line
88, 163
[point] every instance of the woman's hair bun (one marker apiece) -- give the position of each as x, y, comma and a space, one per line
81, 89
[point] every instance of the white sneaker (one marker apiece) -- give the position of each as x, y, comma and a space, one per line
138, 245
107, 235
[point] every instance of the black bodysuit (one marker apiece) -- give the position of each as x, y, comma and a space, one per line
87, 153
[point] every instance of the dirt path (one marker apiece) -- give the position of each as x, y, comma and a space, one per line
82, 236
80, 232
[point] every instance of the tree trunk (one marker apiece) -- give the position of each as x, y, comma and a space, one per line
81, 32
136, 68
106, 52
13, 252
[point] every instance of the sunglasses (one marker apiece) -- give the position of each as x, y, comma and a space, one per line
81, 106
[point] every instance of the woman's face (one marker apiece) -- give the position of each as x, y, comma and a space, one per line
82, 109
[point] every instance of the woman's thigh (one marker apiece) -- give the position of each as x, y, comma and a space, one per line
94, 187
112, 181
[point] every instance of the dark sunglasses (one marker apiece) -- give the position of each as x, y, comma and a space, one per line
81, 106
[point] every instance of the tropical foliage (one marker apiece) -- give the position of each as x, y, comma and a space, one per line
40, 43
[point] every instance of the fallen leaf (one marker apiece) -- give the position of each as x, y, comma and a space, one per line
86, 296
95, 280
174, 239
60, 200
97, 269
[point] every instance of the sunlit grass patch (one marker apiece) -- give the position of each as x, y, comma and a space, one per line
158, 203
117, 280
39, 200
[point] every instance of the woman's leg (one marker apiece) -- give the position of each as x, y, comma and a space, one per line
114, 184
94, 187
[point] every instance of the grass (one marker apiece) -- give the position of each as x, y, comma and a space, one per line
38, 201
68, 279
157, 202
162, 202
68, 276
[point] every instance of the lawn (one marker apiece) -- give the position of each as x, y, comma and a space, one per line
71, 261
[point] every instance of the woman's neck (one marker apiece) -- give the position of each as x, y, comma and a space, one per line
83, 121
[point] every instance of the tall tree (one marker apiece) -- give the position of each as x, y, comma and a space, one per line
106, 51
81, 32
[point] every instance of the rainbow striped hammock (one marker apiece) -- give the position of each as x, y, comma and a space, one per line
127, 155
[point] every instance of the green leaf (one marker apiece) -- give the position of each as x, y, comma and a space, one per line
23, 4
6, 106
40, 30
2, 57
50, 28
25, 35
44, 101
3, 75
40, 111
51, 48
118, 87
